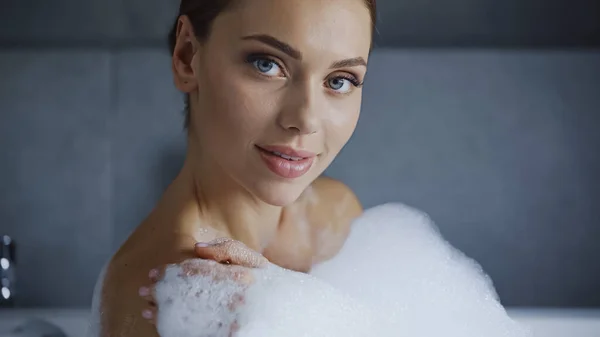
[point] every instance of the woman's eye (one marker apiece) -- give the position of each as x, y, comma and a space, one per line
340, 84
266, 67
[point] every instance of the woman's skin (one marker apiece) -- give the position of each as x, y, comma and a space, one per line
272, 73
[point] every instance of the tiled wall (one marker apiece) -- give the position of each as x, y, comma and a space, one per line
90, 22
514, 23
499, 147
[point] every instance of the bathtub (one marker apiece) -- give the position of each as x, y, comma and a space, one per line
543, 322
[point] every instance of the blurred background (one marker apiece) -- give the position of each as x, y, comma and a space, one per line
484, 114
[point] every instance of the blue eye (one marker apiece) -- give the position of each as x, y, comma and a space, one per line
337, 83
343, 84
265, 65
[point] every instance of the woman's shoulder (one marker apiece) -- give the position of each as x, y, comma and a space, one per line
331, 208
147, 248
332, 198
129, 269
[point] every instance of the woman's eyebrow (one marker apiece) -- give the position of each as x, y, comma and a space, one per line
352, 62
275, 43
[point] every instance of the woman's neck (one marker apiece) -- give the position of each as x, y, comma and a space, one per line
224, 205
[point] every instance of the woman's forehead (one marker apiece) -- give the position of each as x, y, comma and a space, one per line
342, 27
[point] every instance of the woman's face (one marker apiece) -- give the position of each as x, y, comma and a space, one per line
276, 91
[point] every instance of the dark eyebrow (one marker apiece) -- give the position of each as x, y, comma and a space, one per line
353, 62
275, 43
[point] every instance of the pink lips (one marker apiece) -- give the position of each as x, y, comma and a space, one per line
285, 161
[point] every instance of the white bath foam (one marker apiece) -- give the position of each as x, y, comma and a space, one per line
195, 305
279, 302
291, 304
395, 276
396, 260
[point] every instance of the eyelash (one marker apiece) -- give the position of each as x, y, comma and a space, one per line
355, 82
250, 59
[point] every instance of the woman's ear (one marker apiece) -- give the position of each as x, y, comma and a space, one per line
186, 47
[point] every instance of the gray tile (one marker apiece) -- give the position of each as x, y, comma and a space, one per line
147, 134
55, 171
90, 23
148, 19
401, 23
516, 23
60, 21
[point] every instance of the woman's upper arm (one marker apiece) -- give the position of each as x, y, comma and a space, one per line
121, 306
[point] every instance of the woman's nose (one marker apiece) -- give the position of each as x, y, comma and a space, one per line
301, 113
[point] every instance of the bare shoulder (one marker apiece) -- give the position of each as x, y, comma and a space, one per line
332, 206
333, 199
128, 270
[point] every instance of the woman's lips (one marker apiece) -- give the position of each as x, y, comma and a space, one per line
288, 151
285, 161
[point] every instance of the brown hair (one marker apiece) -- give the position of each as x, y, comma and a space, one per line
202, 13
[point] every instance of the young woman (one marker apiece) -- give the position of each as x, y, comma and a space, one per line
273, 91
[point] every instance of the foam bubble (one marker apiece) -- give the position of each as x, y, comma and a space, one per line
395, 276
195, 298
299, 305
396, 261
